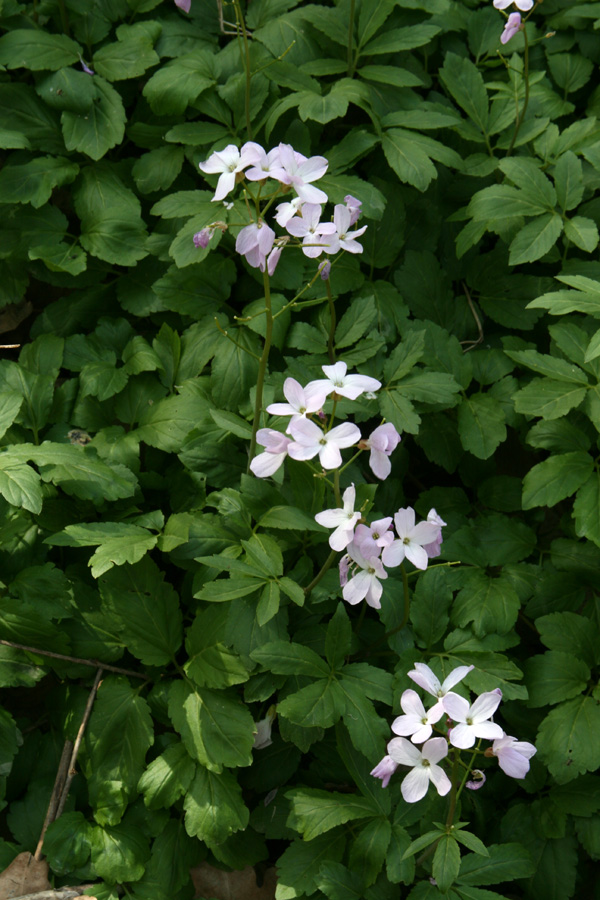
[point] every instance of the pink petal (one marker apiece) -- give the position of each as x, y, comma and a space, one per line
414, 787
425, 678
404, 520
455, 676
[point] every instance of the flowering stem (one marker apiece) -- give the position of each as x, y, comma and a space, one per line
262, 366
336, 487
332, 322
521, 115
321, 574
245, 54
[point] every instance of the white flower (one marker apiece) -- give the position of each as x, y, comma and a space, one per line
425, 678
300, 172
417, 721
349, 386
276, 444
473, 720
228, 162
255, 242
371, 539
424, 768
513, 755
364, 585
263, 164
309, 227
434, 549
343, 520
285, 211
523, 5
342, 218
262, 731
300, 400
412, 539
384, 770
382, 442
309, 440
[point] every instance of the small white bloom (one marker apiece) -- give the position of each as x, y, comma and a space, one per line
384, 770
513, 755
424, 768
412, 540
300, 400
417, 721
425, 678
473, 720
309, 440
343, 520
349, 386
276, 445
365, 583
523, 5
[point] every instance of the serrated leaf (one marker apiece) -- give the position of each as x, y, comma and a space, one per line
556, 478
213, 806
20, 484
446, 862
211, 663
555, 676
505, 862
535, 239
316, 811
119, 853
566, 739
481, 424
464, 81
178, 83
99, 128
67, 842
490, 604
582, 232
548, 398
36, 49
167, 778
128, 58
284, 658
34, 181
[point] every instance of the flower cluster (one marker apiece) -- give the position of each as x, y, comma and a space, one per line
307, 438
301, 216
465, 723
513, 23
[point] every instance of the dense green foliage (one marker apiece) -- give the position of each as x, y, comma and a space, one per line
130, 531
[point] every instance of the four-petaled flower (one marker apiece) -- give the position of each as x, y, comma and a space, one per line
349, 386
424, 768
255, 242
512, 27
428, 680
309, 440
364, 585
276, 447
309, 227
300, 172
228, 163
412, 540
382, 442
343, 520
472, 720
513, 755
417, 721
523, 5
384, 770
371, 539
300, 400
342, 219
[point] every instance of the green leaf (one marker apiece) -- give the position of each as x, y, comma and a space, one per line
552, 366
178, 83
223, 590
316, 812
535, 239
118, 543
566, 739
213, 806
429, 607
369, 849
409, 155
555, 676
548, 398
585, 509
283, 658
446, 862
263, 553
145, 610
67, 89
289, 518
338, 637
505, 862
404, 356
119, 853
60, 257
491, 604
67, 842
556, 478
569, 633
100, 128
570, 70
128, 58
211, 663
20, 484
367, 730
471, 841
463, 80
111, 225
217, 729
117, 738
16, 670
527, 176
430, 387
355, 322
165, 424
35, 49
167, 778
321, 704
34, 181
158, 169
481, 424
397, 39
398, 868
501, 201
298, 867
398, 410
339, 883
568, 180
582, 232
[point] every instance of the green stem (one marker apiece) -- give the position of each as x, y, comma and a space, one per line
332, 322
406, 598
336, 488
521, 115
262, 366
321, 573
454, 792
64, 18
245, 54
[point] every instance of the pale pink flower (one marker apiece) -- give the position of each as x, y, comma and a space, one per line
300, 172
364, 585
424, 768
354, 208
263, 164
343, 520
276, 448
382, 442
228, 162
300, 401
512, 27
477, 781
273, 259
255, 242
309, 227
347, 239
523, 5
349, 386
435, 548
202, 238
412, 539
309, 440
473, 719
384, 770
285, 211
428, 680
344, 568
417, 721
513, 755
324, 270
371, 539
185, 5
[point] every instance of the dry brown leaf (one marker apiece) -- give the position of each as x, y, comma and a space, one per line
211, 882
13, 314
25, 875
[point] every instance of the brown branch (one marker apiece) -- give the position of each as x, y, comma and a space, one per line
72, 771
472, 344
59, 783
94, 663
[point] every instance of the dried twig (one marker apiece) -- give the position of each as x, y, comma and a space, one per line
470, 345
94, 663
72, 772
59, 784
